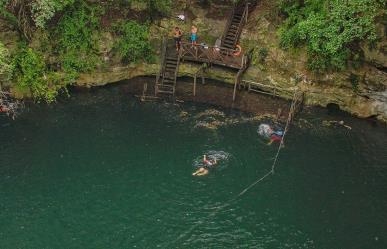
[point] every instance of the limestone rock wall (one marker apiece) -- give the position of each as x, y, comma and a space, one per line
361, 91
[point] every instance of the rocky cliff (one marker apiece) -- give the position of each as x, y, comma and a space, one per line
359, 90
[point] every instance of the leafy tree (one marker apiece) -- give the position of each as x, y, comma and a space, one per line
25, 14
329, 29
44, 10
17, 13
134, 42
153, 6
74, 39
31, 74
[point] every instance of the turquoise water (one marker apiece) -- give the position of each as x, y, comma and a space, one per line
102, 170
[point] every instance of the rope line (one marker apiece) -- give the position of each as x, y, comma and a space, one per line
232, 200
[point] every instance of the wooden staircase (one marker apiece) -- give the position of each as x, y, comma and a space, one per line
234, 25
170, 59
166, 79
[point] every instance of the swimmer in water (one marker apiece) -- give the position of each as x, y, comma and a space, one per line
207, 164
275, 136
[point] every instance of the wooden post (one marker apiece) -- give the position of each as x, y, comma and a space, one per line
194, 86
279, 114
235, 88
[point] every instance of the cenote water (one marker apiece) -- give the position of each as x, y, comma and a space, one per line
102, 170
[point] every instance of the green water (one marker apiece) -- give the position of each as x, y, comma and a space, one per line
101, 170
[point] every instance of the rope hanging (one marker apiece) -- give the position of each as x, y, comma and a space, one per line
293, 107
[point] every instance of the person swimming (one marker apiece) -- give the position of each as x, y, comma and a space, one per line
207, 164
276, 136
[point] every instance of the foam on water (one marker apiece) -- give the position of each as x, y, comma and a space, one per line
222, 158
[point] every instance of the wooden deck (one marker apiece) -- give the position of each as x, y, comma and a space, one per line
212, 55
223, 55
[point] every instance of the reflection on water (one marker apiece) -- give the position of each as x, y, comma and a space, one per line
102, 170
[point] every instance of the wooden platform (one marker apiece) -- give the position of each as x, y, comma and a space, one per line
222, 55
212, 55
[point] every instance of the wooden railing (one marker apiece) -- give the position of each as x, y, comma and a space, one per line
243, 20
213, 55
228, 23
162, 59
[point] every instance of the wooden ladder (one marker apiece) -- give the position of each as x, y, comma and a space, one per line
166, 79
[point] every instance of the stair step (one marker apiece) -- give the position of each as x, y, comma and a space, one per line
232, 29
170, 67
229, 43
169, 71
167, 87
169, 76
169, 80
168, 83
163, 91
228, 46
231, 35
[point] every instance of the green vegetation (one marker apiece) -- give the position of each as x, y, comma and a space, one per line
152, 7
133, 43
31, 74
68, 44
44, 10
354, 79
330, 29
6, 67
75, 40
262, 54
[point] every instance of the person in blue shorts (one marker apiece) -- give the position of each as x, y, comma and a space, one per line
194, 35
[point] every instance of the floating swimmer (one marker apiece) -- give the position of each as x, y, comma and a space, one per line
207, 164
274, 135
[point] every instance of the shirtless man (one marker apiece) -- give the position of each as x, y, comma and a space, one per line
177, 37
